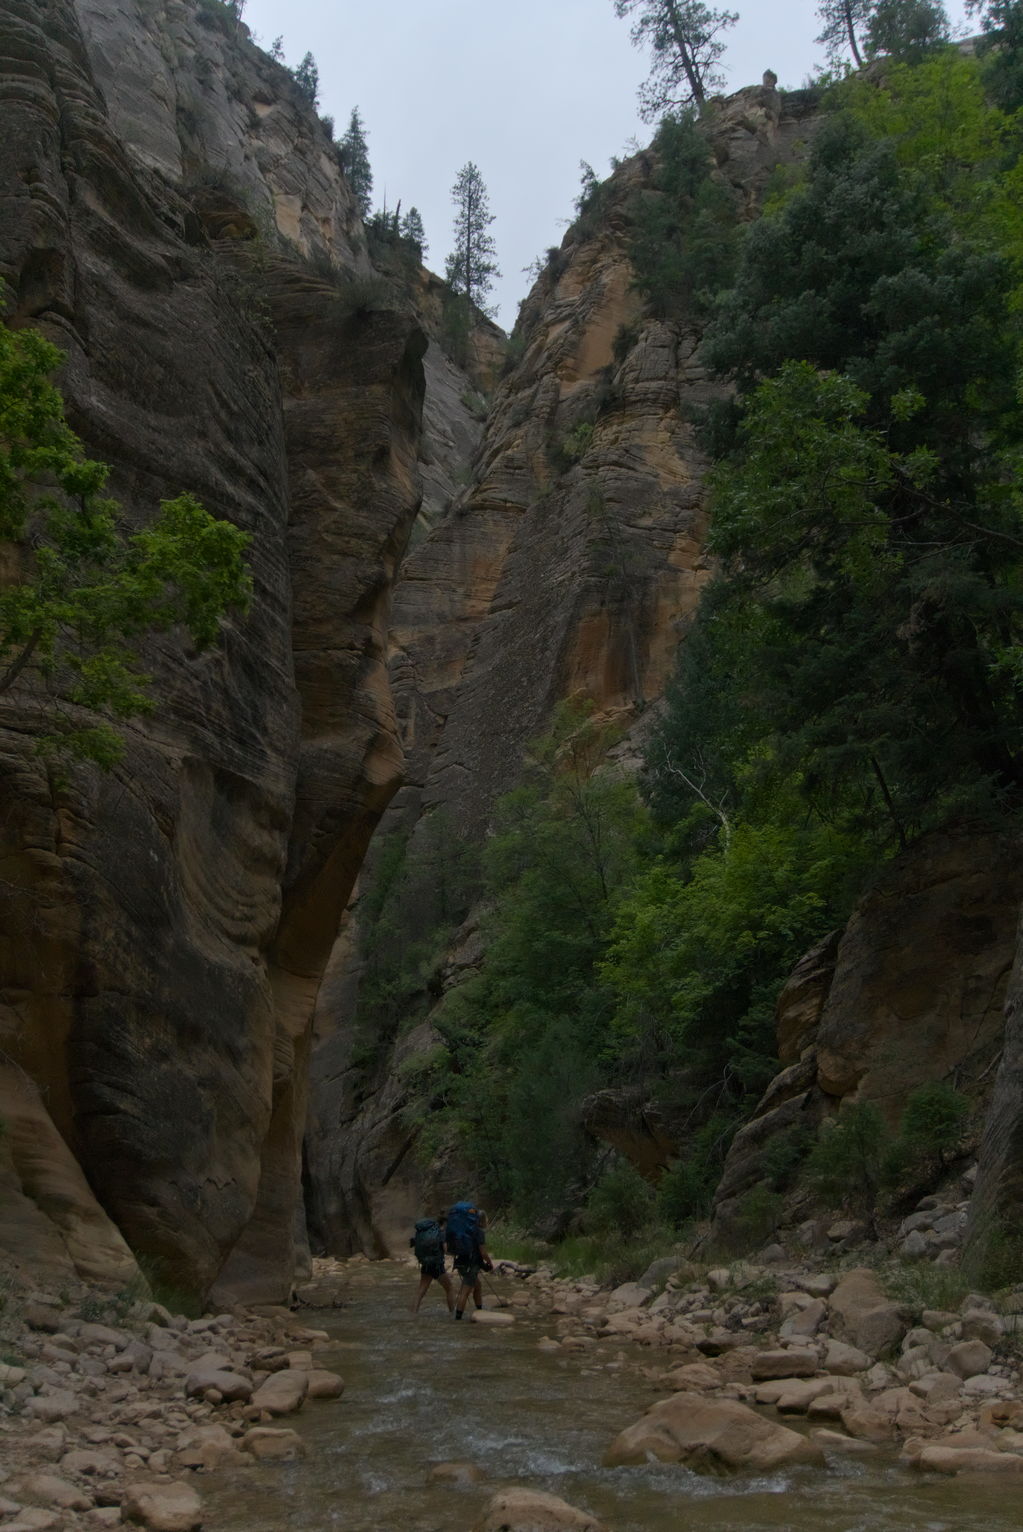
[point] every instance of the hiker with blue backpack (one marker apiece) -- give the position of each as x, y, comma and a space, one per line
466, 1233
428, 1245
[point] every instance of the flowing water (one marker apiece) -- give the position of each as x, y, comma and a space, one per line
427, 1390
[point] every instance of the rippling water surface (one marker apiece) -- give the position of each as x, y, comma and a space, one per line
426, 1391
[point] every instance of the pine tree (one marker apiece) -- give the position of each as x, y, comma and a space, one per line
470, 266
841, 23
683, 40
906, 29
307, 78
412, 230
355, 158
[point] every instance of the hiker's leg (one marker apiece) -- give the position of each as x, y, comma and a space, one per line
463, 1298
449, 1291
424, 1282
477, 1294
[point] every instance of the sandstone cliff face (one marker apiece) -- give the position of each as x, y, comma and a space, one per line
165, 927
566, 570
910, 992
996, 1209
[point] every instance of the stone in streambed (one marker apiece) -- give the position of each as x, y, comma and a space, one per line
527, 1510
162, 1507
953, 1460
784, 1364
491, 1317
283, 1392
324, 1384
455, 1473
710, 1436
229, 1385
275, 1444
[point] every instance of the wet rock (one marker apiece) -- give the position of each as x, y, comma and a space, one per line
325, 1385
229, 1385
492, 1317
953, 1460
207, 1447
455, 1473
527, 1510
709, 1436
283, 1392
173, 1507
275, 1444
834, 1441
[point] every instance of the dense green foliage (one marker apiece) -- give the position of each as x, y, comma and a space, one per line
852, 679
80, 593
683, 238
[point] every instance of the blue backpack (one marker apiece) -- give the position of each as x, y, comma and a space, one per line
463, 1230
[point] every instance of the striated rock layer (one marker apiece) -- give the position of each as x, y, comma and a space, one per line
165, 926
567, 570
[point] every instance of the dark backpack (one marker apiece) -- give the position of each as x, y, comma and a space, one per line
463, 1230
428, 1242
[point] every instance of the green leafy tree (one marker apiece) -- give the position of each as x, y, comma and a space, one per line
842, 23
1002, 49
685, 49
848, 1165
471, 267
412, 229
355, 162
683, 239
80, 593
906, 29
307, 78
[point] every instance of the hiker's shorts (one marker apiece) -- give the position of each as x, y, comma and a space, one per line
469, 1271
431, 1269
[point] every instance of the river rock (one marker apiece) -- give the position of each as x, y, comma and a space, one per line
863, 1316
103, 1335
283, 1392
784, 1364
846, 1360
33, 1519
834, 1441
229, 1385
455, 1473
954, 1460
49, 1489
207, 1447
275, 1444
709, 1435
969, 1358
491, 1317
53, 1407
173, 1507
631, 1295
529, 1510
324, 1384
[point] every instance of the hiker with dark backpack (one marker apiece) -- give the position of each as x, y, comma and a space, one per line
428, 1245
466, 1228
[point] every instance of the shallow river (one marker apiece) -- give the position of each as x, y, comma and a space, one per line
427, 1391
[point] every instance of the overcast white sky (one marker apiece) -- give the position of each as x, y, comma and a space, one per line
525, 88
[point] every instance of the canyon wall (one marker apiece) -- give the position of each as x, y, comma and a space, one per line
567, 569
166, 924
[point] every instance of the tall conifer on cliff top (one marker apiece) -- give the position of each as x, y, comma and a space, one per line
471, 267
683, 37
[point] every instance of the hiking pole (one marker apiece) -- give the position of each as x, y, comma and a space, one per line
501, 1302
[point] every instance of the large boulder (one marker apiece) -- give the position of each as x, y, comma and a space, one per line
710, 1436
162, 1507
863, 1316
283, 1392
